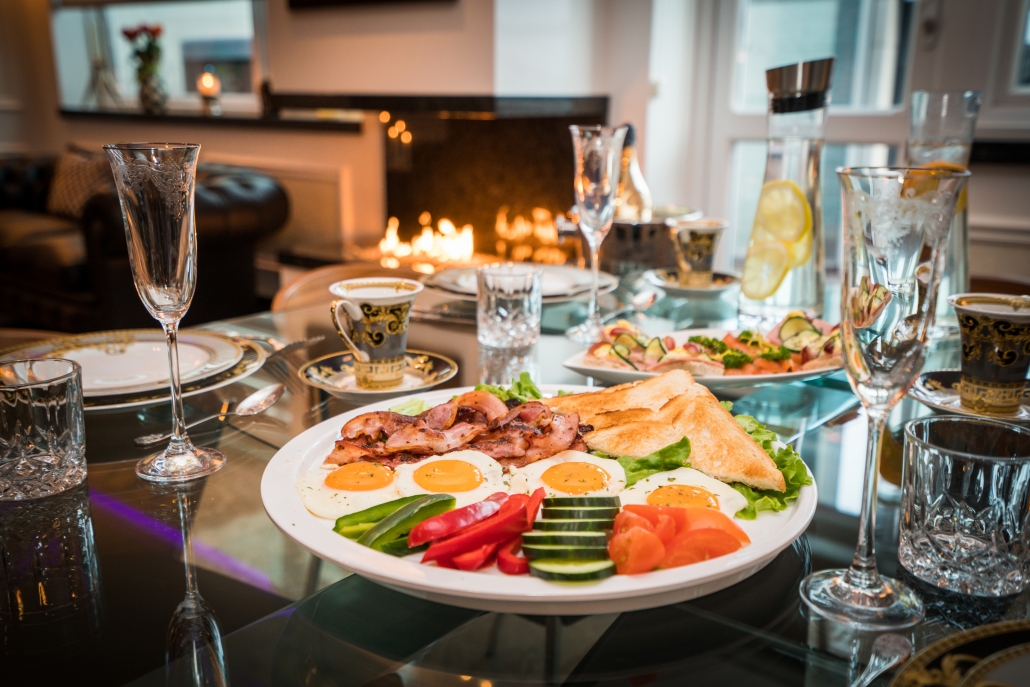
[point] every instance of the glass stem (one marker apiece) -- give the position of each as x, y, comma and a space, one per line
187, 546
595, 269
178, 423
862, 572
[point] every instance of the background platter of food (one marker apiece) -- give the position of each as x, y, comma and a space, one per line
299, 473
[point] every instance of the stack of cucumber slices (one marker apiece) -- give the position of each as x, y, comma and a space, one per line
570, 542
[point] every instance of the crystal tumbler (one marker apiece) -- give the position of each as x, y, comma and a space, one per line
965, 508
42, 440
509, 302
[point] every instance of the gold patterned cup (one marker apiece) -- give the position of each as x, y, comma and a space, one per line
995, 331
371, 316
695, 242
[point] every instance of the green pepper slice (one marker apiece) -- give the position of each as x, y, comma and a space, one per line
402, 521
349, 525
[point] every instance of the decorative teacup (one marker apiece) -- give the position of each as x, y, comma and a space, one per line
995, 331
371, 316
695, 242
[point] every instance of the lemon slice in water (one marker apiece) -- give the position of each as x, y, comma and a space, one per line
764, 268
783, 211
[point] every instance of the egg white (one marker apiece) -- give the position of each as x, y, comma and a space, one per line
493, 477
528, 479
730, 500
326, 502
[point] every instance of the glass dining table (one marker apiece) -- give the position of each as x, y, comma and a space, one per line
102, 570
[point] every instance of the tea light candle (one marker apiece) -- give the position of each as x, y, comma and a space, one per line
209, 85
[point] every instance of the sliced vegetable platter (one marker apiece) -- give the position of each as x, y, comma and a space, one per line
489, 589
611, 375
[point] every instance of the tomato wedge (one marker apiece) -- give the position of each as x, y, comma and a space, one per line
635, 551
709, 518
627, 520
508, 560
446, 524
652, 513
695, 546
665, 529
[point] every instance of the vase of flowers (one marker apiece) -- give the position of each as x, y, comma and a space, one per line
146, 52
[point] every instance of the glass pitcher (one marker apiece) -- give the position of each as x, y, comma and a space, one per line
785, 267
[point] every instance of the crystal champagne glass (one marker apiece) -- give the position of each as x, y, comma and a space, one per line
895, 239
598, 159
155, 188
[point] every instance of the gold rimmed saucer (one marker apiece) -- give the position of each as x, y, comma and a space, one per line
334, 374
939, 390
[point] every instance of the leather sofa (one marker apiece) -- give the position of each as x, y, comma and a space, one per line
73, 275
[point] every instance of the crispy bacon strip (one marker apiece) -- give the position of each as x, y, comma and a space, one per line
441, 416
484, 402
372, 424
511, 441
533, 414
564, 430
420, 438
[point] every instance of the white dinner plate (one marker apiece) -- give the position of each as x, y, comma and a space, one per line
135, 360
490, 589
621, 376
560, 283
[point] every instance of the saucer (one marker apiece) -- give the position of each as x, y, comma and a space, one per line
334, 374
939, 390
667, 280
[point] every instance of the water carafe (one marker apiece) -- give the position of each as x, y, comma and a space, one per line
785, 267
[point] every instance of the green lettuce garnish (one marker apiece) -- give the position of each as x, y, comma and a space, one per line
668, 458
522, 389
414, 406
787, 460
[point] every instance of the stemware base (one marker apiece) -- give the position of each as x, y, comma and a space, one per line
588, 332
893, 605
183, 466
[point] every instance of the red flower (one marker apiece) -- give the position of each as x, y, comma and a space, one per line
131, 34
155, 30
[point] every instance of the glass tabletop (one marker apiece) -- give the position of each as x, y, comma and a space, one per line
92, 578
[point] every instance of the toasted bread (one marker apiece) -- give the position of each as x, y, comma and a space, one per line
641, 417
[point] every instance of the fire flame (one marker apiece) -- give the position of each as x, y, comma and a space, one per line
446, 245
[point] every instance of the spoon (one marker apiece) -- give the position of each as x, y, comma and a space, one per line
888, 651
258, 402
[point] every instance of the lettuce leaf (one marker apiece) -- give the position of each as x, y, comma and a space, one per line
414, 406
787, 460
522, 389
668, 458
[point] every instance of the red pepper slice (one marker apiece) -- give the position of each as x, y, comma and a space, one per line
508, 560
534, 506
476, 558
493, 530
513, 502
448, 523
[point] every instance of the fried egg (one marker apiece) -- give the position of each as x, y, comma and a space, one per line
687, 488
468, 476
347, 489
570, 473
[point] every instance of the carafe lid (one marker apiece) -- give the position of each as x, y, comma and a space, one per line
800, 86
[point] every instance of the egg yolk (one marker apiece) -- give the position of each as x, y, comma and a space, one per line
575, 478
360, 476
443, 476
683, 495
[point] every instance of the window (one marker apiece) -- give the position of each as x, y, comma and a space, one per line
95, 63
1022, 71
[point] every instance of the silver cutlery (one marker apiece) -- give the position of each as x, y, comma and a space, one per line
258, 402
889, 650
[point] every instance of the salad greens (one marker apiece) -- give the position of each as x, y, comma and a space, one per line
787, 460
668, 458
734, 359
778, 353
711, 344
522, 389
414, 406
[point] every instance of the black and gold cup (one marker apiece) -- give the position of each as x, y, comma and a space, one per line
371, 316
995, 331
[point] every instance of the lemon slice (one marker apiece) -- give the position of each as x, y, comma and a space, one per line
783, 211
801, 250
960, 205
764, 268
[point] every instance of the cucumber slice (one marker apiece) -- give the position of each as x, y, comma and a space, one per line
569, 553
567, 538
581, 501
795, 325
573, 525
571, 571
605, 513
627, 341
797, 343
622, 352
655, 350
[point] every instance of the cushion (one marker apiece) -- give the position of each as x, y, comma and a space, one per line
78, 176
32, 239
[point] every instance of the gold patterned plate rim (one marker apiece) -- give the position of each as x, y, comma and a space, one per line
253, 359
914, 673
664, 279
368, 395
606, 284
930, 390
223, 353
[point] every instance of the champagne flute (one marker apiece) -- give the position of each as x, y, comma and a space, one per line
598, 153
155, 188
895, 236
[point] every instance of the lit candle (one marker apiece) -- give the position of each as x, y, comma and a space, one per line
208, 85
